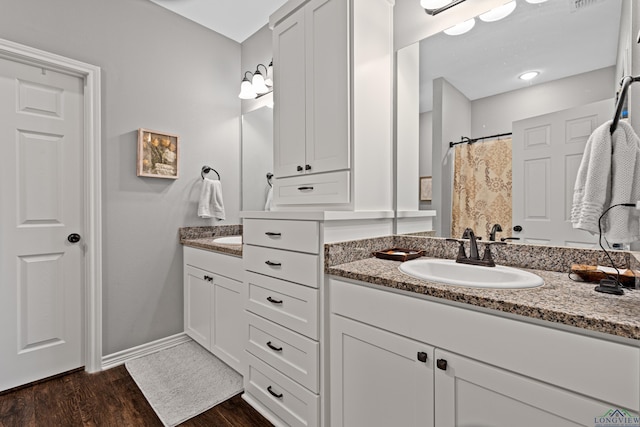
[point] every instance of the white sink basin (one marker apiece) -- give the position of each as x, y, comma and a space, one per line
472, 276
229, 240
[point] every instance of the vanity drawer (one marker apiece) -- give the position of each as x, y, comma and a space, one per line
294, 404
224, 265
322, 188
301, 236
292, 266
290, 353
290, 305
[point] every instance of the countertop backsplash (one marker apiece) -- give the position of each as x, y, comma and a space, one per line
537, 257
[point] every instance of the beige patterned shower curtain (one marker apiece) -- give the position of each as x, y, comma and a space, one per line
482, 188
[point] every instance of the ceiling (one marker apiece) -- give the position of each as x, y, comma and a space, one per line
236, 19
553, 38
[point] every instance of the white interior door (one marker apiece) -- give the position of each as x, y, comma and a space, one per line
41, 188
547, 151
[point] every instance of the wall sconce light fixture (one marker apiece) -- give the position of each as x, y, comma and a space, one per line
434, 7
258, 84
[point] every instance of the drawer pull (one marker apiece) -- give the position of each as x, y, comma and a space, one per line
272, 234
274, 348
273, 264
442, 364
274, 301
305, 188
274, 394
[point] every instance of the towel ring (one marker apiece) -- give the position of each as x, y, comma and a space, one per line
207, 169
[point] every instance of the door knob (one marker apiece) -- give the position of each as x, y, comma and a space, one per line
73, 237
517, 228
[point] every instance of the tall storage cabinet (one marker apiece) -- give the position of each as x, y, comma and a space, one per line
311, 122
332, 101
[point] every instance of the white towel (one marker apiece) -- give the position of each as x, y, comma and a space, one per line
609, 174
267, 205
211, 205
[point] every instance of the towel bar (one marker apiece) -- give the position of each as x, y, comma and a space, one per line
207, 169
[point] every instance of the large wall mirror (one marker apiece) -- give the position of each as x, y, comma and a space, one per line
468, 86
257, 157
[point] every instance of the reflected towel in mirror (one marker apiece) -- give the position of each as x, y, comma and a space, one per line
609, 174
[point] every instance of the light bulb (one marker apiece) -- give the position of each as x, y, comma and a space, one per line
258, 83
529, 75
499, 12
269, 79
461, 28
246, 90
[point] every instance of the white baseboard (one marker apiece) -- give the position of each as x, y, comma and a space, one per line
112, 360
270, 416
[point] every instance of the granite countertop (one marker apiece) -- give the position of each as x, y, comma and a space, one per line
559, 300
203, 238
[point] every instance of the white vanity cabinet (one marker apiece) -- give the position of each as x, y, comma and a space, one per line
329, 57
480, 369
281, 259
213, 304
384, 379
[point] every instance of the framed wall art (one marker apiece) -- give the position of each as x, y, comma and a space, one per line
425, 189
158, 154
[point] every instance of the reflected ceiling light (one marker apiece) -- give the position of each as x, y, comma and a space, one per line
529, 75
499, 12
536, 1
461, 28
433, 7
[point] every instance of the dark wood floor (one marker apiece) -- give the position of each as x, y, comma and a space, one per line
109, 398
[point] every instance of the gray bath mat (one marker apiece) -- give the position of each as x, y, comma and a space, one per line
183, 381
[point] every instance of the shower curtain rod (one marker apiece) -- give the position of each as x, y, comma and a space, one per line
466, 140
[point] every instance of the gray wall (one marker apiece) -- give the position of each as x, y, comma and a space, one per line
451, 120
160, 72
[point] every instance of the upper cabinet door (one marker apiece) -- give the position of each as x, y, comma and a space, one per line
327, 85
311, 95
289, 96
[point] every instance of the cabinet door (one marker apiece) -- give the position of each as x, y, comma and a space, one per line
228, 322
289, 112
197, 307
469, 394
377, 378
327, 88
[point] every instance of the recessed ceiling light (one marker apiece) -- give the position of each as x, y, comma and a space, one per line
434, 4
461, 28
499, 12
536, 1
529, 75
